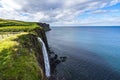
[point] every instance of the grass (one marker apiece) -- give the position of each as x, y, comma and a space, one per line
17, 61
17, 57
16, 26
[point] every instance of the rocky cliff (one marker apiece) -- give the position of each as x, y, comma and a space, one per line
45, 26
38, 48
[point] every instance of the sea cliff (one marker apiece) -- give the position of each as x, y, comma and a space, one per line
45, 26
21, 55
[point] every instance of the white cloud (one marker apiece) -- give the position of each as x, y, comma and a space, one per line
92, 21
104, 11
113, 2
52, 11
10, 5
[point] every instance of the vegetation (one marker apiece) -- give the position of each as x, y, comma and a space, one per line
17, 58
16, 26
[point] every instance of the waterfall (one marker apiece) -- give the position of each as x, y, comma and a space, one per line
46, 59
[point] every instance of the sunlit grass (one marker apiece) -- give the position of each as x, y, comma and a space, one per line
16, 26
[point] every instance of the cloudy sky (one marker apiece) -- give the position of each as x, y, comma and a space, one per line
63, 12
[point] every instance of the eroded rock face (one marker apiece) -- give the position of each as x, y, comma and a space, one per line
42, 35
38, 48
45, 26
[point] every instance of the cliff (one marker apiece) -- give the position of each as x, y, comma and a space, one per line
21, 56
45, 26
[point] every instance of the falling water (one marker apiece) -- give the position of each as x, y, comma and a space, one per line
46, 60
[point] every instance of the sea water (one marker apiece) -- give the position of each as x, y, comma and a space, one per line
93, 53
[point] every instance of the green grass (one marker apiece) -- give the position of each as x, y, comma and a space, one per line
4, 23
17, 60
16, 26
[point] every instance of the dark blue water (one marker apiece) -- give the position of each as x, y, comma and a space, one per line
92, 53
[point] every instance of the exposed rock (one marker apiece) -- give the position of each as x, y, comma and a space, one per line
45, 26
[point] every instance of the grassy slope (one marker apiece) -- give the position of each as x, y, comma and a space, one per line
16, 26
17, 60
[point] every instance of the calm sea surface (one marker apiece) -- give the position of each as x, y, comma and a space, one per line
92, 53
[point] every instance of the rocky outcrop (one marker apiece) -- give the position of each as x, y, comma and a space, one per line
45, 26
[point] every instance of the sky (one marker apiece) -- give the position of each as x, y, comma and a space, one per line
63, 12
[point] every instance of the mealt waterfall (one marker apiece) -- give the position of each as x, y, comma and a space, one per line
46, 59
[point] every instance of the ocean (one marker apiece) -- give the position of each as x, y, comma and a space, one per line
92, 53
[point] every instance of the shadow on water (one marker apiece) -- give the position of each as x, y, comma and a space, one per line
55, 60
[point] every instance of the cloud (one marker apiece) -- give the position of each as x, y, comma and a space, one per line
10, 4
51, 11
92, 21
103, 11
113, 2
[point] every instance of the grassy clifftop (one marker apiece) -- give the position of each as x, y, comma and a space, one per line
19, 58
15, 26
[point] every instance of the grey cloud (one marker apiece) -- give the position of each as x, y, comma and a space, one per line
40, 5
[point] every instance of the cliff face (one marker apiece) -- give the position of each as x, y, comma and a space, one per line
38, 47
38, 52
45, 26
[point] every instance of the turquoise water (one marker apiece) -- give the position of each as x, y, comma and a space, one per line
92, 53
